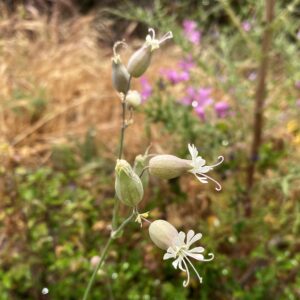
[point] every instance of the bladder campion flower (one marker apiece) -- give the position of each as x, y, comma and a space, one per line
178, 246
128, 185
140, 60
199, 169
167, 166
120, 75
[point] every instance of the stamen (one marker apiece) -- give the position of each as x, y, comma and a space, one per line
116, 45
199, 277
218, 188
186, 282
211, 257
151, 31
220, 160
166, 36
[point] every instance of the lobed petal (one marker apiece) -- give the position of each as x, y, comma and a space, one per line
197, 250
196, 256
194, 239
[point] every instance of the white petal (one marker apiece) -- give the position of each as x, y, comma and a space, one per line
179, 239
196, 250
176, 262
194, 239
169, 255
189, 236
205, 169
195, 256
180, 264
193, 151
201, 178
200, 161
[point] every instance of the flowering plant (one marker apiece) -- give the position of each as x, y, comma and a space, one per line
130, 182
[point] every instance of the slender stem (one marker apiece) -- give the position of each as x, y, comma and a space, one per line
259, 103
121, 146
104, 254
114, 232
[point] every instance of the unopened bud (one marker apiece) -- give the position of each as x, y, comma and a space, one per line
168, 166
134, 99
120, 75
162, 234
128, 185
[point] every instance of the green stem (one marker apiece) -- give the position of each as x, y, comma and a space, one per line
113, 235
114, 232
121, 146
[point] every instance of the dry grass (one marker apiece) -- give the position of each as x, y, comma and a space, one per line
55, 84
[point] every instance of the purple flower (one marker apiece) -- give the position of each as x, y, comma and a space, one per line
200, 112
191, 32
246, 25
187, 64
175, 77
297, 84
222, 109
147, 90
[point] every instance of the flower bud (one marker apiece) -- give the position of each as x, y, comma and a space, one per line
139, 61
128, 185
168, 166
120, 75
133, 99
140, 163
162, 234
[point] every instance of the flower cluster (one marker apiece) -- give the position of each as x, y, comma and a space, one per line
191, 32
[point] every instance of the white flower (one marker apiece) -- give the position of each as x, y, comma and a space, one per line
153, 42
180, 251
199, 169
166, 237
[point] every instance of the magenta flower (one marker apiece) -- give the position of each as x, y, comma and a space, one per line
222, 109
176, 77
246, 25
187, 64
191, 32
200, 112
146, 90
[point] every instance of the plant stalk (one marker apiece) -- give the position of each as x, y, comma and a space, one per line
260, 96
114, 232
113, 235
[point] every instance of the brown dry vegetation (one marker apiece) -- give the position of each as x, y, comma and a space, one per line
66, 68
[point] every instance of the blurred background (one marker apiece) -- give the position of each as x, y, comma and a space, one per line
229, 82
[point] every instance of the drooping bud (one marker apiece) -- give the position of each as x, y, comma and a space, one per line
120, 75
133, 99
140, 60
128, 185
167, 166
162, 234
140, 163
